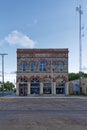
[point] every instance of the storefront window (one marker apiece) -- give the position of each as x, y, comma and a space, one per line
35, 86
47, 86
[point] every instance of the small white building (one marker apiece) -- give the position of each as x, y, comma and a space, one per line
76, 87
84, 86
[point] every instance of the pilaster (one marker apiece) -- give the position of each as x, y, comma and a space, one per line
28, 88
41, 88
54, 88
67, 89
17, 89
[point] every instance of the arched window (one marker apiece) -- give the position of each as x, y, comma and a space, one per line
24, 66
60, 82
23, 80
35, 82
32, 67
42, 66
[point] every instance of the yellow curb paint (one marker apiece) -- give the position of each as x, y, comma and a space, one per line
7, 98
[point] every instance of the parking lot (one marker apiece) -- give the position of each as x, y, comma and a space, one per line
43, 114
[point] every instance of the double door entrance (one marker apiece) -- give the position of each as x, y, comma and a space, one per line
47, 90
35, 90
60, 91
23, 89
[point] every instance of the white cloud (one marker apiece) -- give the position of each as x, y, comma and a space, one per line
18, 38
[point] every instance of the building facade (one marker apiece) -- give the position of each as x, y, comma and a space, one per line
74, 87
41, 71
84, 86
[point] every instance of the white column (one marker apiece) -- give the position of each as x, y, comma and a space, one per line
29, 88
17, 89
41, 88
67, 89
54, 88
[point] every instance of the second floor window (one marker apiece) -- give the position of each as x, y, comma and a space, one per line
24, 66
61, 66
32, 66
53, 66
42, 66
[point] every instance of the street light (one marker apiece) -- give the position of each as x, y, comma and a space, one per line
52, 74
3, 54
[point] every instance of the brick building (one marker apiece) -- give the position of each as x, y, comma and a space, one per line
41, 71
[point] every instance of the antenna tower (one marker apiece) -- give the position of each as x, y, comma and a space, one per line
80, 38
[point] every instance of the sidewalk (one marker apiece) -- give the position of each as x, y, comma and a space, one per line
45, 96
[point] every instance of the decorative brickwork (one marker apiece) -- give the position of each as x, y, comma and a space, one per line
35, 65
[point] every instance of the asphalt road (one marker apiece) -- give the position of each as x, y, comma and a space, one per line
43, 114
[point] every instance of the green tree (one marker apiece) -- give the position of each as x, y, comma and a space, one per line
85, 75
74, 76
9, 86
0, 86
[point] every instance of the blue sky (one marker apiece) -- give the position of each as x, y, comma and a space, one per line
41, 24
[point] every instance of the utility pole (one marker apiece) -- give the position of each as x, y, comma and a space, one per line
3, 71
80, 41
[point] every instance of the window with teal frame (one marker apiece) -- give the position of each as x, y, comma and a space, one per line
32, 66
61, 66
24, 66
42, 66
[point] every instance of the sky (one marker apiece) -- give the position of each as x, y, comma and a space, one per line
41, 24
